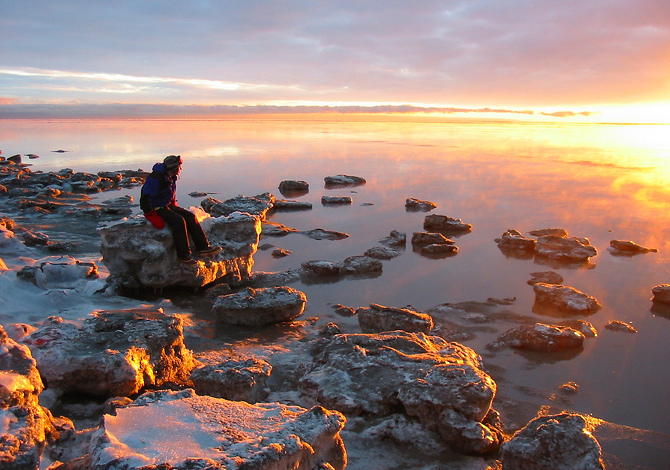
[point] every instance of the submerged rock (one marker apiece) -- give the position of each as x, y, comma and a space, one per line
378, 319
113, 353
555, 442
437, 383
179, 430
563, 301
256, 307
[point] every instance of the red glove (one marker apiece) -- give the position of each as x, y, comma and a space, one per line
155, 219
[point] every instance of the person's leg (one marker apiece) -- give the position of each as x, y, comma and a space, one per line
193, 226
177, 226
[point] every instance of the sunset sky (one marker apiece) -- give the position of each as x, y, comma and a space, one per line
586, 60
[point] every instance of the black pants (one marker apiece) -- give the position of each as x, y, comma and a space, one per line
183, 223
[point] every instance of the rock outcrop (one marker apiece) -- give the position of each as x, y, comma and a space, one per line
437, 383
179, 430
140, 256
113, 353
555, 442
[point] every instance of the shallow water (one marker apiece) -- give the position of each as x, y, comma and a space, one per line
603, 182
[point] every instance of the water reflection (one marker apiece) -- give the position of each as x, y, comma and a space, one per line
602, 182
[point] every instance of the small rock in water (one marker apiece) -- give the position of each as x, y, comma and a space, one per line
618, 325
629, 247
413, 204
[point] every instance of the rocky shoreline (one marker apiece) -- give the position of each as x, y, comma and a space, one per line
405, 378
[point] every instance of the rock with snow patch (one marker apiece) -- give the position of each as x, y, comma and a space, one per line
179, 430
254, 205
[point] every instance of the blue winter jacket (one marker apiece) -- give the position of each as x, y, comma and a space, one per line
159, 190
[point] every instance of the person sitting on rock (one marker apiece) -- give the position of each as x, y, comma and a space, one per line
158, 201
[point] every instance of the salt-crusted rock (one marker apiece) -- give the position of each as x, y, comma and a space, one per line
140, 256
378, 318
58, 271
326, 200
661, 293
233, 380
343, 180
514, 240
548, 277
116, 352
254, 205
438, 383
540, 337
555, 442
618, 325
395, 238
564, 249
25, 427
413, 204
629, 247
256, 307
420, 239
179, 430
563, 301
445, 223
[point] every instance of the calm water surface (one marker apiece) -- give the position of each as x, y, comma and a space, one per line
602, 182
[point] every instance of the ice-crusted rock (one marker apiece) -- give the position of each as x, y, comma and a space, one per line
141, 256
254, 205
629, 247
564, 249
378, 318
233, 380
661, 293
413, 204
555, 442
514, 240
445, 223
113, 353
563, 301
58, 271
25, 427
438, 383
343, 180
256, 307
181, 430
540, 337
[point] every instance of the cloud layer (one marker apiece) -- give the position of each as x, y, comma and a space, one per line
435, 53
